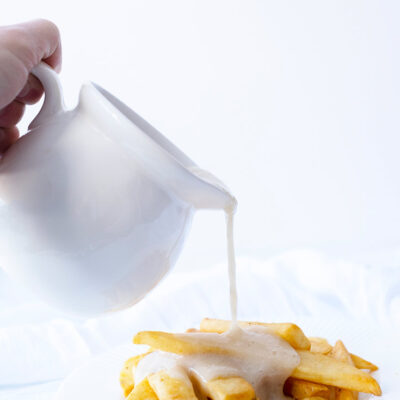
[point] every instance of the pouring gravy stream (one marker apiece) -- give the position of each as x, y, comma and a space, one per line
263, 359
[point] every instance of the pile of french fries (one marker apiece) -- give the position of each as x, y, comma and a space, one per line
325, 371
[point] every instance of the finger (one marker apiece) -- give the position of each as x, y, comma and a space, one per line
10, 115
47, 39
55, 60
22, 47
8, 136
34, 41
31, 92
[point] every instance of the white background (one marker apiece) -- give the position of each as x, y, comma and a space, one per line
294, 104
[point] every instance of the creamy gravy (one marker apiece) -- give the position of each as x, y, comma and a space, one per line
230, 210
229, 213
261, 358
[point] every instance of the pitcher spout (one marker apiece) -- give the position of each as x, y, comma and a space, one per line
205, 191
161, 159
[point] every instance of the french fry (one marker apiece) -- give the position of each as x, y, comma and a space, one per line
339, 352
363, 364
126, 377
319, 345
313, 367
332, 393
169, 388
300, 389
287, 331
322, 369
314, 398
173, 343
344, 394
142, 391
235, 388
324, 372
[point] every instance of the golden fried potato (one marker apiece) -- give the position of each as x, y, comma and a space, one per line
313, 367
235, 388
169, 388
287, 331
314, 398
142, 391
319, 345
345, 394
174, 343
300, 389
322, 369
324, 372
339, 352
363, 364
126, 377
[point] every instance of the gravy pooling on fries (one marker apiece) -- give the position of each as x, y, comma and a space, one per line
263, 360
257, 361
231, 360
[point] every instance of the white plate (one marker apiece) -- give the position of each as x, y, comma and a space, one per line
324, 308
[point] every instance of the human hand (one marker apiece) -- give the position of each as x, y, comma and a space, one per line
22, 47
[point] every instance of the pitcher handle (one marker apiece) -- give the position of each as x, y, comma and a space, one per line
53, 102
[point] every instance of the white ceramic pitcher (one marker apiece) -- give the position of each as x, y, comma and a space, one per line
95, 202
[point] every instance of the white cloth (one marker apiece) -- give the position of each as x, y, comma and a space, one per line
38, 348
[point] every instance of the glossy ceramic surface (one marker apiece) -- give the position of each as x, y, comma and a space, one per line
95, 203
